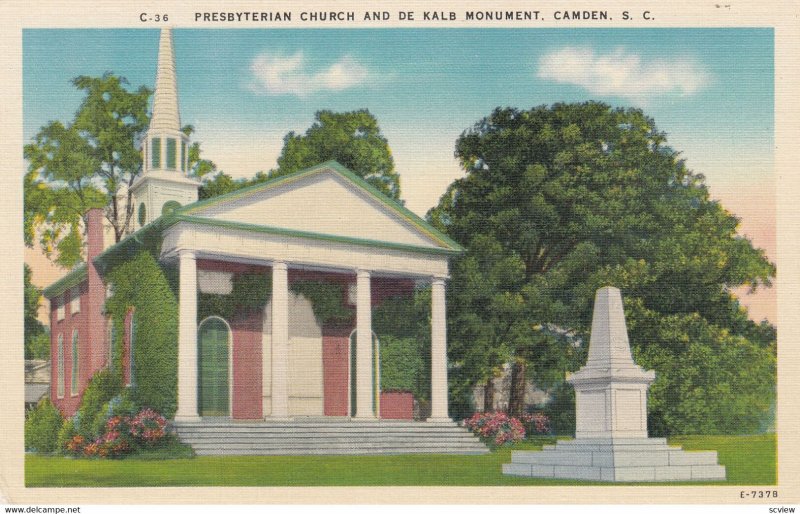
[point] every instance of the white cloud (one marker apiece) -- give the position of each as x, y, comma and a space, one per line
623, 74
275, 74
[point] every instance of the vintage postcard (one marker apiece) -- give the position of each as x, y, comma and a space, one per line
371, 252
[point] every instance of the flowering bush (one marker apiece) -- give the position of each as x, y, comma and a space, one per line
148, 427
119, 405
536, 422
75, 444
113, 444
116, 440
90, 449
496, 427
121, 434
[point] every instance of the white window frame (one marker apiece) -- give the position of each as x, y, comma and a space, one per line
75, 300
230, 357
131, 366
74, 375
60, 386
109, 341
60, 309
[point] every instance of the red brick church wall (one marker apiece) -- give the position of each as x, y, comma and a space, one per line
89, 322
247, 391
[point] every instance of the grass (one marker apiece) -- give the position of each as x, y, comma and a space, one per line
750, 460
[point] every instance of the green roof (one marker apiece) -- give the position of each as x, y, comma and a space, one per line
70, 280
186, 214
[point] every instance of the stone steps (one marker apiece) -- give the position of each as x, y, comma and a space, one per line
315, 430
310, 437
643, 460
341, 451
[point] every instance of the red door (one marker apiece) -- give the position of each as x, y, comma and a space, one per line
335, 374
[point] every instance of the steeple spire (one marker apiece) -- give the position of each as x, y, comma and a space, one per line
165, 181
165, 100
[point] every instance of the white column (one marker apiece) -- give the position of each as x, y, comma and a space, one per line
187, 337
438, 352
280, 341
364, 369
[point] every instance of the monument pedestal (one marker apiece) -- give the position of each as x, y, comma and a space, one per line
616, 460
611, 442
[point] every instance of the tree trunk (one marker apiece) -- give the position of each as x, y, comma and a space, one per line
488, 396
516, 402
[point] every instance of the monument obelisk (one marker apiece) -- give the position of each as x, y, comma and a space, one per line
611, 442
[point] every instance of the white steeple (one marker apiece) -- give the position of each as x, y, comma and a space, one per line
164, 183
165, 100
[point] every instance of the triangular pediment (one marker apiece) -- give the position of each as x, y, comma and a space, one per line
328, 201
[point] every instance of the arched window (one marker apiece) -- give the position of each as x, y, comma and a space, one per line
110, 342
169, 206
376, 373
75, 370
142, 214
131, 362
129, 334
60, 377
214, 340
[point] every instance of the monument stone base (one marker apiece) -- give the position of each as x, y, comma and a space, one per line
616, 460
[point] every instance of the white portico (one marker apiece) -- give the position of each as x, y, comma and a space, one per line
322, 219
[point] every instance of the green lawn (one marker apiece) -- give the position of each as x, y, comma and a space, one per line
750, 460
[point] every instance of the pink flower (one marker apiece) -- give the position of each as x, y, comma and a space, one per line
498, 427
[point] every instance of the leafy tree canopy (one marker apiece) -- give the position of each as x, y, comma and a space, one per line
35, 331
351, 138
90, 162
558, 201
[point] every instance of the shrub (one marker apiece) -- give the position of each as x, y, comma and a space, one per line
103, 386
148, 427
496, 428
142, 284
119, 405
75, 444
561, 409
116, 440
536, 423
122, 433
42, 427
402, 324
66, 434
403, 366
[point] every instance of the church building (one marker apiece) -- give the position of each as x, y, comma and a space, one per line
280, 364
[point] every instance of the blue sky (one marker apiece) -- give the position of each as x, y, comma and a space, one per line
711, 90
702, 86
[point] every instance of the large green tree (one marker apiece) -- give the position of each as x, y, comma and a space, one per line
353, 138
558, 201
90, 162
37, 344
86, 163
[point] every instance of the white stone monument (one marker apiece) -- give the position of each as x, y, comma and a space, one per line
611, 442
